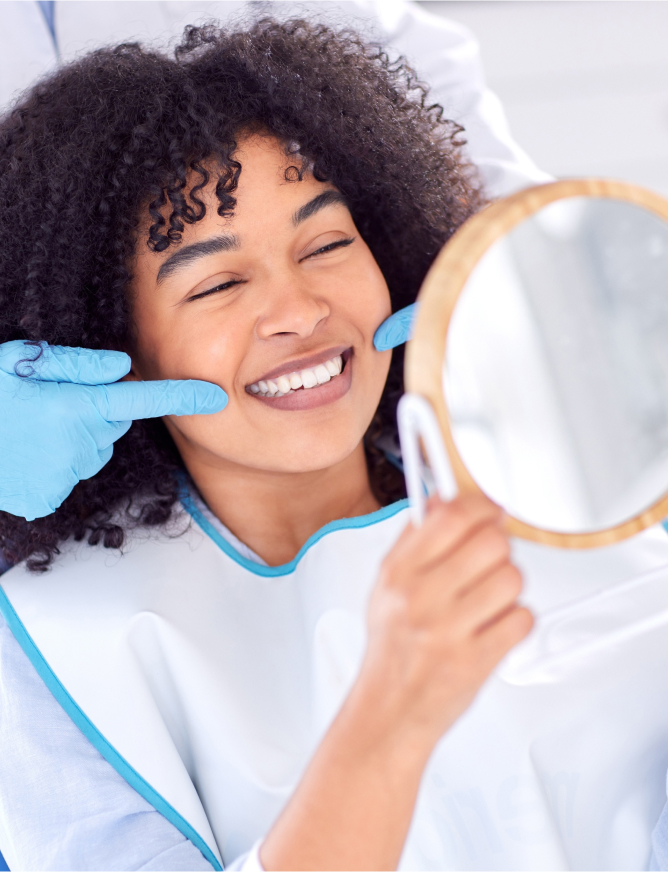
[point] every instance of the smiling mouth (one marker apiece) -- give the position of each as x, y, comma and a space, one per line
300, 380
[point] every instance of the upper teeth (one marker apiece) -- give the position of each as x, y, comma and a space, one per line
305, 378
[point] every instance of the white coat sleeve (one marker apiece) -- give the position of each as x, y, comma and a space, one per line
446, 56
62, 806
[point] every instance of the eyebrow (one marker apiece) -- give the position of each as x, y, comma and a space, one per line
185, 256
327, 198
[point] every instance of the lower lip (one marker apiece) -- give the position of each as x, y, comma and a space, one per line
311, 398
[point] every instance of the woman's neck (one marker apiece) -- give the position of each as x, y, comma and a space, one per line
275, 513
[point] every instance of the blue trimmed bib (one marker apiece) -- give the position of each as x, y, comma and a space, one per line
208, 681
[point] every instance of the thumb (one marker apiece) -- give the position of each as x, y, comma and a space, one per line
131, 400
58, 363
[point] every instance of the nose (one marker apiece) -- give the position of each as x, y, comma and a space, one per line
291, 309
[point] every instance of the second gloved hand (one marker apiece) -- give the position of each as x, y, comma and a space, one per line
396, 329
61, 414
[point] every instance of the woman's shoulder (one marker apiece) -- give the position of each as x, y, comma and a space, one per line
79, 566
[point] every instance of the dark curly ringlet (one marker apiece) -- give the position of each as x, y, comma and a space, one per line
85, 151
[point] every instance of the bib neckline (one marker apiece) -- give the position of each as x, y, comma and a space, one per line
287, 568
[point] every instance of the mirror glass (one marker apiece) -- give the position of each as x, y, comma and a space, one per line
556, 368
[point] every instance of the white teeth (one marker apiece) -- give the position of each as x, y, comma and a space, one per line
321, 374
332, 366
307, 378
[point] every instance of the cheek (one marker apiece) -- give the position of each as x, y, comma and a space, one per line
368, 304
184, 347
371, 387
365, 296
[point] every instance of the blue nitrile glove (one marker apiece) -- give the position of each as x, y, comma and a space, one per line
396, 329
58, 426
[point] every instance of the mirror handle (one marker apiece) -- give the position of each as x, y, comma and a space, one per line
417, 421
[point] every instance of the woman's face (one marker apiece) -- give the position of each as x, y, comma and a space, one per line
278, 296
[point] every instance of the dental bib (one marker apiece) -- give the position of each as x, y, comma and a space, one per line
208, 682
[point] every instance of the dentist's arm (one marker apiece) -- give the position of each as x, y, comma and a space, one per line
61, 414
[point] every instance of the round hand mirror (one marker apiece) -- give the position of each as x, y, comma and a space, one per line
541, 343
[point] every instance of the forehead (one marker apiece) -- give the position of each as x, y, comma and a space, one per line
272, 177
271, 181
274, 182
265, 158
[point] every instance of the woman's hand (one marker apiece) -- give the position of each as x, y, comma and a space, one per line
442, 615
444, 612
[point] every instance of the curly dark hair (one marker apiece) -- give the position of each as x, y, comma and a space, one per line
86, 149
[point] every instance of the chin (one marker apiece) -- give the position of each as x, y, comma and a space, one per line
309, 456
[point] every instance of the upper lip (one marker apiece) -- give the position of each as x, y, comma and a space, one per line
302, 363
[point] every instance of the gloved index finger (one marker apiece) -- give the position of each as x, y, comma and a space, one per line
396, 329
58, 363
132, 400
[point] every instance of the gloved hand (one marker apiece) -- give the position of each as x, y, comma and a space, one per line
58, 425
396, 329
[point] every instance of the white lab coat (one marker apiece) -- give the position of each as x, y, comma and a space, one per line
445, 54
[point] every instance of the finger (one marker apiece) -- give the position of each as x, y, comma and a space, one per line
445, 528
396, 329
497, 638
130, 401
438, 590
487, 600
482, 553
58, 363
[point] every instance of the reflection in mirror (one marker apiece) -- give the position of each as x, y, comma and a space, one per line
556, 369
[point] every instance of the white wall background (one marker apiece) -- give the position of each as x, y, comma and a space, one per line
584, 84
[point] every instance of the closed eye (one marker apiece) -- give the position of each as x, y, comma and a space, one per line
340, 243
332, 246
224, 287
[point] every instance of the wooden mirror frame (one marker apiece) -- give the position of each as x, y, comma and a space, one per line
438, 296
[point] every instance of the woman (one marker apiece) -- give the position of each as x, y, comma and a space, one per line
246, 215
